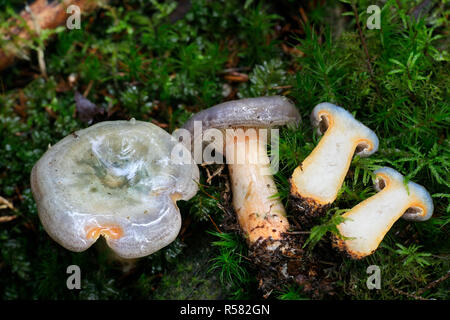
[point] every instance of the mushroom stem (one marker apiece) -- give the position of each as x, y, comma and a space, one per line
330, 160
368, 222
320, 176
260, 214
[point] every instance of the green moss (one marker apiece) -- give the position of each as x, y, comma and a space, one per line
139, 61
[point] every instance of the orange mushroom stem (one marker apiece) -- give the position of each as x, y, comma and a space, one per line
260, 213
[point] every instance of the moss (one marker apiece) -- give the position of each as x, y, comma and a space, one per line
153, 63
189, 279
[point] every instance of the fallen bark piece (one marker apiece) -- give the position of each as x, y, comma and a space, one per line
42, 14
5, 204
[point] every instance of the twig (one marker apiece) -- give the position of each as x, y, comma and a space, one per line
282, 87
88, 89
236, 77
7, 218
218, 171
40, 51
41, 14
410, 295
434, 283
5, 204
362, 38
215, 225
297, 232
366, 50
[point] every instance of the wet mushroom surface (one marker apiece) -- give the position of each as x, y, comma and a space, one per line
116, 179
161, 64
260, 213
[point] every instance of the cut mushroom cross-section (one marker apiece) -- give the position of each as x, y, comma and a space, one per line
115, 179
317, 180
368, 222
260, 215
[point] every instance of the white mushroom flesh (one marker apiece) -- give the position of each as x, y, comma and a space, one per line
369, 221
321, 174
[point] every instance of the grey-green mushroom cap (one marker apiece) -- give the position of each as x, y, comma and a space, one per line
115, 179
261, 112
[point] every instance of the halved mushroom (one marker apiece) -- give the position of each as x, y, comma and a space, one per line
260, 215
316, 182
115, 179
369, 221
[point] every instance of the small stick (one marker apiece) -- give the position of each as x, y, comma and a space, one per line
282, 87
215, 225
7, 218
363, 40
434, 283
364, 45
410, 295
215, 173
40, 51
88, 89
297, 232
5, 204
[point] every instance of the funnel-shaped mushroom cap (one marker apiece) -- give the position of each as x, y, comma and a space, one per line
251, 112
369, 221
116, 179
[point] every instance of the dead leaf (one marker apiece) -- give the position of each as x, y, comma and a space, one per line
7, 218
86, 110
5, 204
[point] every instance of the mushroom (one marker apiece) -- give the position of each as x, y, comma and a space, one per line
316, 182
368, 222
115, 179
260, 215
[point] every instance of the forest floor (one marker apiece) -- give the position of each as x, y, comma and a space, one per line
164, 61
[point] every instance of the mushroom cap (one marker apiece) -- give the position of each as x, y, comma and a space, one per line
327, 114
116, 179
259, 112
422, 204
